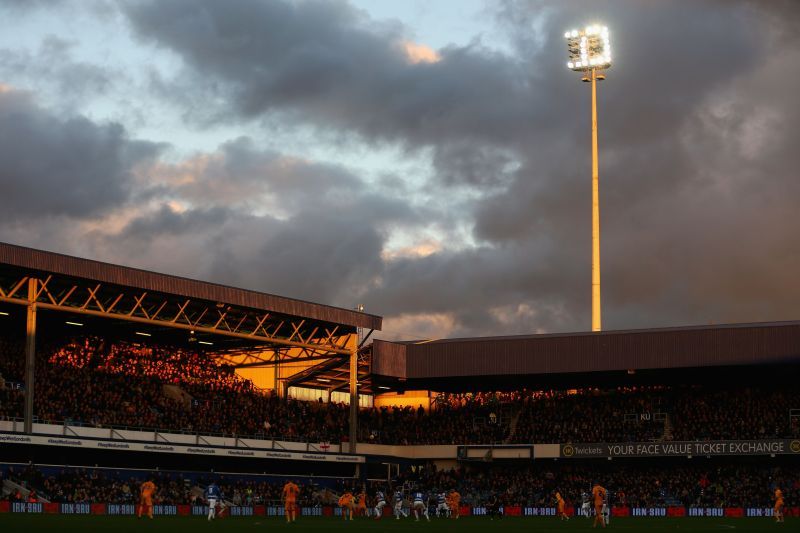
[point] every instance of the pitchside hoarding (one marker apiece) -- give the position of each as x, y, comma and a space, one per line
277, 511
682, 449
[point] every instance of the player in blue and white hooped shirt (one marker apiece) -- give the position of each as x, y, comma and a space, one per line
442, 509
586, 504
213, 497
380, 503
607, 508
398, 505
419, 506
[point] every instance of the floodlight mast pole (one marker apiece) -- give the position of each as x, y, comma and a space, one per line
596, 309
590, 53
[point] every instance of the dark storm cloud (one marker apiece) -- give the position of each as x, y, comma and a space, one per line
472, 284
311, 231
472, 164
324, 63
327, 64
326, 255
62, 166
239, 173
316, 255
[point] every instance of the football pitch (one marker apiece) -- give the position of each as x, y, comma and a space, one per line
52, 523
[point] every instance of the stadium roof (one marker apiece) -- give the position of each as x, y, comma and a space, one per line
669, 348
55, 263
83, 286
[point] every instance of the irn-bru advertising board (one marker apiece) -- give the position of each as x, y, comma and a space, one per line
261, 510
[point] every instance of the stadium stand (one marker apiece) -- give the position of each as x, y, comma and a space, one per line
687, 413
95, 382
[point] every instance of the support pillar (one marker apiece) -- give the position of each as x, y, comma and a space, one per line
30, 354
353, 399
280, 384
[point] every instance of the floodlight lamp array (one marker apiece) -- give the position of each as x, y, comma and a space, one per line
589, 48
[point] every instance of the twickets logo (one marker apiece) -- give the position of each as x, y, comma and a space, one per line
568, 450
795, 446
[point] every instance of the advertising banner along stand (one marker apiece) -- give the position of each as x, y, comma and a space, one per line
681, 449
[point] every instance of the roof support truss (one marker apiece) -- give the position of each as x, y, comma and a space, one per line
314, 339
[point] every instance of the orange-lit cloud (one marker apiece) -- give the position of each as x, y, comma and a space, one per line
418, 326
420, 53
420, 249
184, 173
520, 318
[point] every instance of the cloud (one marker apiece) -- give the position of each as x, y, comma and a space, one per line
51, 68
423, 248
419, 326
326, 64
258, 219
63, 166
24, 5
241, 175
323, 255
420, 53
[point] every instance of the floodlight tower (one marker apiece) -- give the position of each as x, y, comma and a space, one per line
590, 54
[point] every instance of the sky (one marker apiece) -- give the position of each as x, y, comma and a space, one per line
427, 159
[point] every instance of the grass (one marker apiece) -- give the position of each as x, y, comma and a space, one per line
20, 523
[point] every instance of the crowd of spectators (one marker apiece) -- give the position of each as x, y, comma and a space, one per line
99, 485
447, 424
92, 381
728, 484
592, 415
92, 485
11, 371
724, 485
659, 413
747, 413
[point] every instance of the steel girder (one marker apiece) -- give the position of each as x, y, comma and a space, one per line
279, 332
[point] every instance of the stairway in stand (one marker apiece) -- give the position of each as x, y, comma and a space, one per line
667, 428
512, 427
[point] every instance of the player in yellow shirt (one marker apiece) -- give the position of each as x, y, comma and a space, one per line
599, 495
290, 493
146, 492
361, 506
778, 511
347, 504
562, 506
